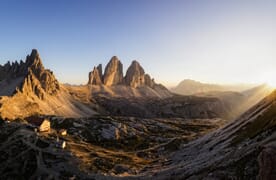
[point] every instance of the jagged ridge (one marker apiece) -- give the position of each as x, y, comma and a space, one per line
28, 77
39, 80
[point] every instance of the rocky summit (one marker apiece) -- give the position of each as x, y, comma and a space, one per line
28, 77
135, 76
113, 73
95, 76
39, 80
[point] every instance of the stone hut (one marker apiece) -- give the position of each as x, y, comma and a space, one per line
42, 124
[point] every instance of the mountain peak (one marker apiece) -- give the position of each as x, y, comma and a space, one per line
34, 53
135, 62
95, 76
113, 73
33, 60
135, 75
114, 58
39, 80
29, 77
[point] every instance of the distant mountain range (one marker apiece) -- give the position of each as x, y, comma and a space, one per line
237, 98
190, 87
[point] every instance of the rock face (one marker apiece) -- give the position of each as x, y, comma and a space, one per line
100, 70
267, 163
95, 76
14, 70
39, 80
135, 75
30, 77
148, 81
113, 74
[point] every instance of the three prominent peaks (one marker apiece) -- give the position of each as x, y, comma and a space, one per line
113, 75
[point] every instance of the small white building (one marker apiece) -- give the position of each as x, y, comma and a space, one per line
63, 132
45, 126
42, 124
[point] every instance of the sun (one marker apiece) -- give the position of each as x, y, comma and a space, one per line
272, 83
270, 78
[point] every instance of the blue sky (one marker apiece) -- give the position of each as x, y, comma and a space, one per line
207, 40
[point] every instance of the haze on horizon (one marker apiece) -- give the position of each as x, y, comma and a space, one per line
210, 41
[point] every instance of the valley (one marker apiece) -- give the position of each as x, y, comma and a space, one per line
130, 127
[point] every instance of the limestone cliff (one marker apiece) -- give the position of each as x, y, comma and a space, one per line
113, 74
95, 76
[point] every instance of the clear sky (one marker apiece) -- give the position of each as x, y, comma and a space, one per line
224, 41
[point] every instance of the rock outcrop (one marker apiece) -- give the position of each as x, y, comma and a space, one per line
39, 80
13, 70
28, 77
148, 81
113, 74
95, 76
100, 70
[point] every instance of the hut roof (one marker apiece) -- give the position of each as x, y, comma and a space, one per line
37, 121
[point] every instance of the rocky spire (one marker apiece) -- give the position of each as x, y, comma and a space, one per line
100, 69
95, 76
135, 75
148, 81
113, 74
38, 80
33, 60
